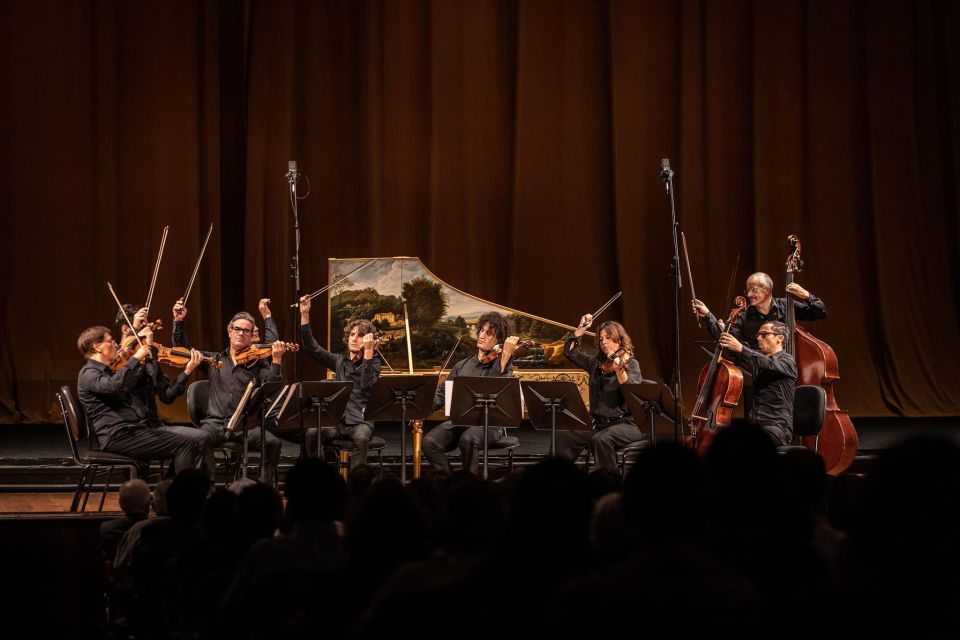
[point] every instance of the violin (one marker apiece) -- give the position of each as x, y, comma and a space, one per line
616, 360
261, 351
179, 357
380, 339
497, 349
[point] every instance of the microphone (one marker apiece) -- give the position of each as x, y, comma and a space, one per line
292, 172
666, 173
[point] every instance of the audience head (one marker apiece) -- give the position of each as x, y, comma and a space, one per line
135, 497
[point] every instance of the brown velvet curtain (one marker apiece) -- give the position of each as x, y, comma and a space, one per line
513, 145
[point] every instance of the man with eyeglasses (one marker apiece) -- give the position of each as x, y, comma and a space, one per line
228, 383
763, 308
774, 379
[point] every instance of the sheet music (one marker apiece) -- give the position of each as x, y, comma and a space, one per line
286, 401
235, 418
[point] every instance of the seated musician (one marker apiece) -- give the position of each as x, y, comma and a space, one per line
774, 379
153, 382
227, 385
446, 436
613, 426
763, 308
116, 418
357, 364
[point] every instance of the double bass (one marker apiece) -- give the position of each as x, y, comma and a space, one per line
719, 388
817, 365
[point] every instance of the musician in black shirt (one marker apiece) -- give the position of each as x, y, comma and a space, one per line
613, 426
763, 308
357, 364
120, 423
493, 330
774, 379
227, 385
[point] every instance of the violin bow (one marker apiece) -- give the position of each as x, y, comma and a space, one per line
323, 290
156, 267
125, 316
446, 360
603, 308
686, 256
196, 267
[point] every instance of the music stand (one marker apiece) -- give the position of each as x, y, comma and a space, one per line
249, 403
474, 398
649, 397
555, 405
402, 398
327, 398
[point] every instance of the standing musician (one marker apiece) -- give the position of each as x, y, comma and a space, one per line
358, 365
613, 426
118, 420
763, 308
153, 382
228, 383
493, 330
774, 379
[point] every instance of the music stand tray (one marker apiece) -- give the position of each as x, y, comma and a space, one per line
402, 398
327, 399
553, 406
649, 397
477, 400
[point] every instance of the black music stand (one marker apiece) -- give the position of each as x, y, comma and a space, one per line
475, 398
249, 404
555, 405
327, 398
649, 397
402, 398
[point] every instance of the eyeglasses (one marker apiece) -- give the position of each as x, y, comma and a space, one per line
242, 332
765, 333
754, 289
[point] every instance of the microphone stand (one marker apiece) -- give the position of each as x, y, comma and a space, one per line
666, 174
292, 177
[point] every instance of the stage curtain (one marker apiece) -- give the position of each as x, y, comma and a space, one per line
513, 145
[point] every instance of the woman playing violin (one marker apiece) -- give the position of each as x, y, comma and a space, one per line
613, 426
494, 357
359, 365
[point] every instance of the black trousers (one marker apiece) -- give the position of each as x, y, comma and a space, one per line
359, 434
143, 443
447, 436
603, 442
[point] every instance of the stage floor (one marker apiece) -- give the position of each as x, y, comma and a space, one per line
37, 472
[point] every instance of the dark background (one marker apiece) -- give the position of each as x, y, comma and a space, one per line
514, 146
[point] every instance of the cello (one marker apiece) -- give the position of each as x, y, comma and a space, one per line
817, 365
719, 388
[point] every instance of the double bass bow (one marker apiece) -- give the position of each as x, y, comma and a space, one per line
817, 365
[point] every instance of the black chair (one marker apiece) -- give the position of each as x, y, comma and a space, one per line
93, 461
509, 443
809, 411
231, 452
343, 448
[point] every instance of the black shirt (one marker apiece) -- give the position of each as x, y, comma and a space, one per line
107, 399
228, 383
748, 323
471, 367
153, 384
774, 384
364, 374
606, 398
